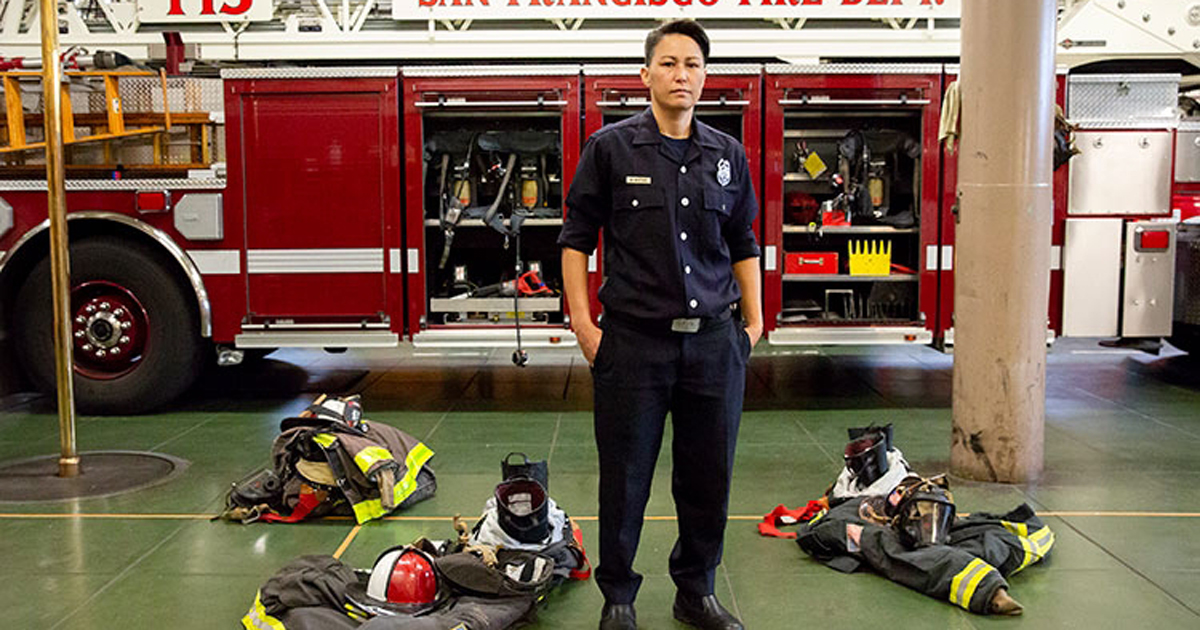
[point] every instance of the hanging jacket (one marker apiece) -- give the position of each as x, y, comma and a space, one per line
375, 467
983, 550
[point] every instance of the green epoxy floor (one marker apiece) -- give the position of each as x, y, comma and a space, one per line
1122, 435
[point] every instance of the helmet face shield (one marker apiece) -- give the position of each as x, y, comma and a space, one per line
866, 458
522, 509
924, 519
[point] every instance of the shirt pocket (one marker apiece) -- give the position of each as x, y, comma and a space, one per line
718, 204
639, 219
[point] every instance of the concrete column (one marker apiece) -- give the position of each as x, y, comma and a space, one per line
1003, 239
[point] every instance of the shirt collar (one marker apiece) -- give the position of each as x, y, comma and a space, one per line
647, 131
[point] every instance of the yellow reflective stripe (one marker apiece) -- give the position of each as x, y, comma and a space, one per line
1036, 545
816, 518
373, 508
367, 510
964, 584
1043, 540
325, 439
258, 619
1030, 553
414, 461
370, 456
1020, 529
974, 584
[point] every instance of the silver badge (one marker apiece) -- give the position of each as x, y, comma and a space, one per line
723, 172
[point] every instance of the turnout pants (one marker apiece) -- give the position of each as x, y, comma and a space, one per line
639, 376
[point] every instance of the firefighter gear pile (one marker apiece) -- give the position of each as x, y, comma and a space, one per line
968, 570
491, 578
329, 460
909, 532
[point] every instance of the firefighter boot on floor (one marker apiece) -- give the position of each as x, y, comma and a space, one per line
1002, 604
705, 613
618, 617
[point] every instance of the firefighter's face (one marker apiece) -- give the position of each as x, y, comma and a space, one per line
676, 73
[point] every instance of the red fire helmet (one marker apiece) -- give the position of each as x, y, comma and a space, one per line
404, 575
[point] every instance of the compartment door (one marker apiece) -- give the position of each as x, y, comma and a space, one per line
314, 170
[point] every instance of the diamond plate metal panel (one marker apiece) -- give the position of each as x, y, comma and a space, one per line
361, 72
610, 69
855, 68
117, 184
735, 68
184, 94
489, 71
1123, 100
629, 69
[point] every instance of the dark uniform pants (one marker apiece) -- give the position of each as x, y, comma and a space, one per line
639, 376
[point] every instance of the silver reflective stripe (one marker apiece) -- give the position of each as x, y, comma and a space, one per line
315, 260
964, 583
212, 262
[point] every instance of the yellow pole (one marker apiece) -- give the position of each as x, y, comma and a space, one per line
60, 267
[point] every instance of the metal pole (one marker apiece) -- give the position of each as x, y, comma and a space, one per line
60, 267
1002, 270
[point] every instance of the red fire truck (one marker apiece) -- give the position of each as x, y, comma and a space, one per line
328, 206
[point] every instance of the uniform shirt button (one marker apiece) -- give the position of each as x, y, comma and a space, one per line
684, 202
683, 236
682, 168
633, 203
693, 304
687, 269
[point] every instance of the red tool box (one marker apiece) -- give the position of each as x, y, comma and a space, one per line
810, 262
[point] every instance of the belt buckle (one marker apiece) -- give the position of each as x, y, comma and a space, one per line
685, 325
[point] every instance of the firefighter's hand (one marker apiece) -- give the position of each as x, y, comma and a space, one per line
589, 341
754, 331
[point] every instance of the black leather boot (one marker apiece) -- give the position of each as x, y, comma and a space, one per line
618, 617
705, 613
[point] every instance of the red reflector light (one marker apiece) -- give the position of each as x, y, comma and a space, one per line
556, 340
1157, 240
154, 201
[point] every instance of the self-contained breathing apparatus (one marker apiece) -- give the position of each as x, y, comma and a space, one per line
512, 169
872, 181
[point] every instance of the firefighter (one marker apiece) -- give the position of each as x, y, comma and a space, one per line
674, 199
912, 536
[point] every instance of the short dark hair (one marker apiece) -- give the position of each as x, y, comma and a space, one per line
689, 28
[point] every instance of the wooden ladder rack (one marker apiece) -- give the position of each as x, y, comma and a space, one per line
114, 123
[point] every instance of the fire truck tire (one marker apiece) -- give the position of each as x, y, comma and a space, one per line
134, 328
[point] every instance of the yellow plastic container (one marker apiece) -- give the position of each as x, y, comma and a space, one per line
870, 258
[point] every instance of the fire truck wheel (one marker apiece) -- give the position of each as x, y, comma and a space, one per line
134, 328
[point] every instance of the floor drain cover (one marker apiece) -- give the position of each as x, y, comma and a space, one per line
102, 473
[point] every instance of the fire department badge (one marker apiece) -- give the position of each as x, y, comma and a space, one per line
723, 172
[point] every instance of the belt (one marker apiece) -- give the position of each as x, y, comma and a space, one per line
686, 325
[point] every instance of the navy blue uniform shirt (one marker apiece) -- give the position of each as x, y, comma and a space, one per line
673, 230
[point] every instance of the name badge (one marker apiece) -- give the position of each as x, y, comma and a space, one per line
637, 179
